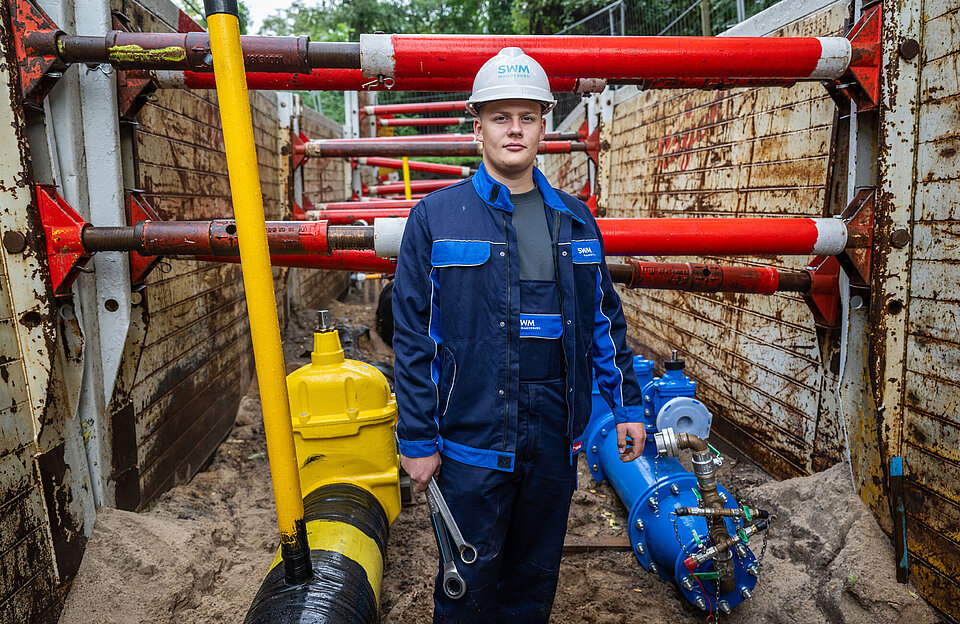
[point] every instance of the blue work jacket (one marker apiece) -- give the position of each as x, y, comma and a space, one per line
458, 325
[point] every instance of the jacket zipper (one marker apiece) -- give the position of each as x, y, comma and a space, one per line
566, 363
506, 410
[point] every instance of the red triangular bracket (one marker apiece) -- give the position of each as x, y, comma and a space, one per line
584, 131
823, 298
186, 24
298, 213
34, 44
140, 266
593, 146
63, 228
859, 215
861, 82
298, 152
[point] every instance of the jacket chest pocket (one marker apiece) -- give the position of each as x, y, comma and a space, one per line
470, 287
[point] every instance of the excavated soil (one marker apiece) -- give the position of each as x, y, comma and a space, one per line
199, 554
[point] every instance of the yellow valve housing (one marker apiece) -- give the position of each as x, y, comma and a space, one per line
344, 417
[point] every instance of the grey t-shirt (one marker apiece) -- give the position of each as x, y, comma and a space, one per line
533, 236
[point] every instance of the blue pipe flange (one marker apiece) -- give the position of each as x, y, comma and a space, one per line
685, 415
598, 429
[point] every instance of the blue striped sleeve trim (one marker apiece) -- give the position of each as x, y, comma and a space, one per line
419, 448
609, 375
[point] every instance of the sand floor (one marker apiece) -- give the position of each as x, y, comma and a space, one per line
199, 554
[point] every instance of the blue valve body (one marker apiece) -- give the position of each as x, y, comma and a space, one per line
644, 488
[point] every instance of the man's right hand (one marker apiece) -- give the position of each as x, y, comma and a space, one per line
421, 469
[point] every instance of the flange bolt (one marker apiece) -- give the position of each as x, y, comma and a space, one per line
746, 593
701, 603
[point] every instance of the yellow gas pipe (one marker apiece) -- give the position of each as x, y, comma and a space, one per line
224, 27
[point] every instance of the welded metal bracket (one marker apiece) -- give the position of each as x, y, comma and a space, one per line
823, 298
138, 209
298, 152
39, 66
594, 146
298, 213
859, 215
861, 82
62, 228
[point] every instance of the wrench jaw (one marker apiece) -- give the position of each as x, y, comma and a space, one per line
468, 554
453, 584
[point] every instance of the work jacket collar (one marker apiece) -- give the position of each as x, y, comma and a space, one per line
497, 195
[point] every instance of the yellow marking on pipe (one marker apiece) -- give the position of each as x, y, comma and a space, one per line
349, 541
136, 54
255, 264
406, 178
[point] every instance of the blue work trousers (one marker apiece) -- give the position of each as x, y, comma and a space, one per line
516, 520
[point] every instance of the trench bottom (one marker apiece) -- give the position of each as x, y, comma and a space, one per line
516, 520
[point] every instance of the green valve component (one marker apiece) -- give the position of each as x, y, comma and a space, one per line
696, 492
696, 538
715, 451
743, 536
707, 576
747, 514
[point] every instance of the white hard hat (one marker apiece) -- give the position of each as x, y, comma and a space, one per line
511, 75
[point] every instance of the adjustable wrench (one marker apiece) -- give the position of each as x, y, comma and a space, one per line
468, 554
453, 584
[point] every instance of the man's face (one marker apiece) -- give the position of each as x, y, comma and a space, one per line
511, 131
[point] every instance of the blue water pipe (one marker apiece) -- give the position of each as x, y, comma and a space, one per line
652, 487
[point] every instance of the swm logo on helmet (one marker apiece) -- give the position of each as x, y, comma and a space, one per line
513, 69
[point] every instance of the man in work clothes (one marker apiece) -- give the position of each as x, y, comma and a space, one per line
503, 309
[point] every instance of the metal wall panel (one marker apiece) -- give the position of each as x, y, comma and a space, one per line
41, 511
931, 425
747, 153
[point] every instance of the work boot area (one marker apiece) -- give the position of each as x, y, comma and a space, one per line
197, 555
489, 312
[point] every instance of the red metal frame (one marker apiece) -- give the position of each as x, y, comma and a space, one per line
859, 215
823, 299
138, 209
865, 62
414, 165
415, 108
416, 186
62, 228
35, 65
368, 214
420, 122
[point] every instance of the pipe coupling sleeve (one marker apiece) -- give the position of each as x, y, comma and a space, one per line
377, 56
666, 442
212, 7
387, 234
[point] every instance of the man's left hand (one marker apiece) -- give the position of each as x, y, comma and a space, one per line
637, 432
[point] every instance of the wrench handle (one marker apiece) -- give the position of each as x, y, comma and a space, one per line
453, 584
468, 554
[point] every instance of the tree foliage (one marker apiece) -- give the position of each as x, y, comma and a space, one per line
194, 8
